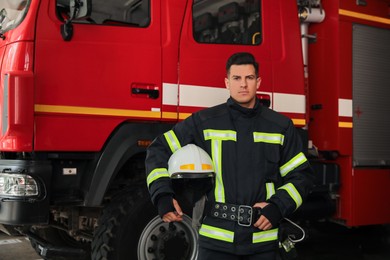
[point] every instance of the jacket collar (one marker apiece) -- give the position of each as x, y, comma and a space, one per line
249, 112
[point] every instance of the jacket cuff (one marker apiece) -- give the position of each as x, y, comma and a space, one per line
272, 213
165, 205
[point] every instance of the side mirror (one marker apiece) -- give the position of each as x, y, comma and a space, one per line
78, 9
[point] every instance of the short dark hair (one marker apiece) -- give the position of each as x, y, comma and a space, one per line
242, 58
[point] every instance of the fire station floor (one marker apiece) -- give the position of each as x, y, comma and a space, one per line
324, 241
329, 241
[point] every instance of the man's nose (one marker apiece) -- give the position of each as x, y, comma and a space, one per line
244, 83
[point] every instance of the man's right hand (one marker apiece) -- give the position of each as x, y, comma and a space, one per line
177, 215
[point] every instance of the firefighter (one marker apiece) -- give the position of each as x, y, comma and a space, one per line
261, 173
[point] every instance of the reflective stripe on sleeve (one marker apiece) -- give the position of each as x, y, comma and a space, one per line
172, 141
271, 138
293, 192
157, 174
265, 236
299, 159
216, 233
270, 188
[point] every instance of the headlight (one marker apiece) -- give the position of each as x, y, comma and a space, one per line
21, 185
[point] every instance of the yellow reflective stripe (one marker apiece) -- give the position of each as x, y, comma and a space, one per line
216, 233
189, 166
265, 236
216, 137
157, 174
101, 111
367, 17
225, 135
293, 192
292, 164
172, 141
206, 166
270, 138
216, 153
270, 188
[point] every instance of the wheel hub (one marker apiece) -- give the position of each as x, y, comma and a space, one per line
168, 241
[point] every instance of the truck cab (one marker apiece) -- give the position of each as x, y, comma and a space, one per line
85, 86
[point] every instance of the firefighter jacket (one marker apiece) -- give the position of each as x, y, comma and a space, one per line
258, 157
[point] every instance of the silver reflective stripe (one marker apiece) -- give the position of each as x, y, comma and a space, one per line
293, 192
265, 236
292, 164
270, 187
172, 141
271, 138
156, 174
216, 233
216, 137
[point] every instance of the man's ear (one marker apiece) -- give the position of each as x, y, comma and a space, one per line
258, 82
227, 83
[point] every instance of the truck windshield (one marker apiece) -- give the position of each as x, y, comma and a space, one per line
12, 12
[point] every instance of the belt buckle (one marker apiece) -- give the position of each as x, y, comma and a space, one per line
240, 219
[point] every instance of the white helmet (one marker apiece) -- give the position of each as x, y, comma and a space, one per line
191, 162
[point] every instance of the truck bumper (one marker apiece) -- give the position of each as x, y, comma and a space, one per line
24, 196
48, 250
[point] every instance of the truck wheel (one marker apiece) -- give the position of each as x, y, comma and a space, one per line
161, 240
129, 228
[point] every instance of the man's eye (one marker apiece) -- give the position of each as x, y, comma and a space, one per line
251, 77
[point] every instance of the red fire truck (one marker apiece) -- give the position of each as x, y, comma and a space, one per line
86, 85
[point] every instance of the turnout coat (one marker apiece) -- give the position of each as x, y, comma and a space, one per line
257, 154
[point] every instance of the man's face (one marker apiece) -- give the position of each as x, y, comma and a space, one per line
243, 83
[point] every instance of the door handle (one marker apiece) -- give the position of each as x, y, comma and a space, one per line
145, 89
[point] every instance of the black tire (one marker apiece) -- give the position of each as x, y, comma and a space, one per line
129, 220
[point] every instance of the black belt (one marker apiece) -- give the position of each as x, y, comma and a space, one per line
244, 215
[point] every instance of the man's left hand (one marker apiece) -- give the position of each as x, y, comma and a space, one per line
262, 223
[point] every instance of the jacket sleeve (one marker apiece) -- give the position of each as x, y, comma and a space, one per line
295, 173
158, 154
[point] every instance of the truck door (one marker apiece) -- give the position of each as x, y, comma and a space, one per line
108, 72
213, 31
